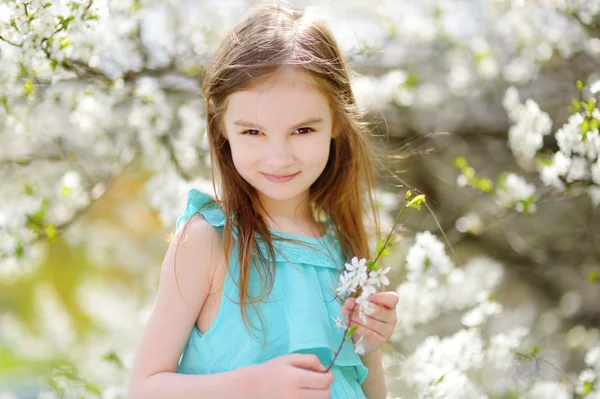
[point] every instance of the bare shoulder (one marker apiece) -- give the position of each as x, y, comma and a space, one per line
192, 257
185, 282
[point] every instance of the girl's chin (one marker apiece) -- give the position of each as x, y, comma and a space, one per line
282, 194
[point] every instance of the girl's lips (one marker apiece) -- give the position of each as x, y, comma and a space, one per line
280, 179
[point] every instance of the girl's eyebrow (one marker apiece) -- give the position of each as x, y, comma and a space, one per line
310, 121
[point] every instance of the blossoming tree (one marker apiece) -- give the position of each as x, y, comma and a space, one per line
93, 89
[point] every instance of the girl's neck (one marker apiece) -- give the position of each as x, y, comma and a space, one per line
292, 216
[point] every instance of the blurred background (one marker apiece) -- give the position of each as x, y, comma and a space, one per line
489, 108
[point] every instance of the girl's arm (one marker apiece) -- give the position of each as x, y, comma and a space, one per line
374, 385
231, 384
185, 282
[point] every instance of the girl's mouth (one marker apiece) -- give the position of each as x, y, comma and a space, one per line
280, 178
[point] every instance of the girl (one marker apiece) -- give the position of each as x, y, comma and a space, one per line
246, 299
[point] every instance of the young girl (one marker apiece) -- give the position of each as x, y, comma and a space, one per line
246, 301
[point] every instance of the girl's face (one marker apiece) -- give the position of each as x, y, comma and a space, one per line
281, 126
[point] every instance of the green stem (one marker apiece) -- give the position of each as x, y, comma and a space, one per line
391, 231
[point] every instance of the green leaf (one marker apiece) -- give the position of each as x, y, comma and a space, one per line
64, 43
461, 163
588, 386
594, 276
534, 350
411, 81
381, 249
469, 173
408, 194
65, 21
543, 161
134, 7
41, 213
19, 252
584, 128
579, 85
28, 189
484, 185
576, 107
113, 358
371, 265
50, 231
4, 102
29, 87
416, 202
351, 331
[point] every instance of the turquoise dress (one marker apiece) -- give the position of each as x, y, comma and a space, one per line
297, 315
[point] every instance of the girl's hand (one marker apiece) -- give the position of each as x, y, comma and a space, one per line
297, 376
380, 324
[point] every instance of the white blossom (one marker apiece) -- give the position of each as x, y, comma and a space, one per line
426, 260
569, 138
530, 125
594, 193
592, 359
548, 389
514, 191
480, 313
551, 174
359, 346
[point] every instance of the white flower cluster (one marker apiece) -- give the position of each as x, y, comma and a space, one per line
588, 382
577, 159
514, 191
526, 136
13, 216
467, 366
470, 223
33, 29
439, 368
357, 276
434, 285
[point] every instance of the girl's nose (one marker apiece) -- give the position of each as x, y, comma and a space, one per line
279, 156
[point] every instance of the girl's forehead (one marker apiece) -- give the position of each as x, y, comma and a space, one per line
287, 77
288, 91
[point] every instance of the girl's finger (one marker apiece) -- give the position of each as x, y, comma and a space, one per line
387, 299
382, 314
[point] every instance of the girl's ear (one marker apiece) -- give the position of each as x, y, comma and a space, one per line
335, 130
211, 105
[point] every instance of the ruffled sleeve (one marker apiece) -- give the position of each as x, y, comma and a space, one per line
199, 202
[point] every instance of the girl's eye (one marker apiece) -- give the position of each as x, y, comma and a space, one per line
252, 132
300, 131
304, 130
